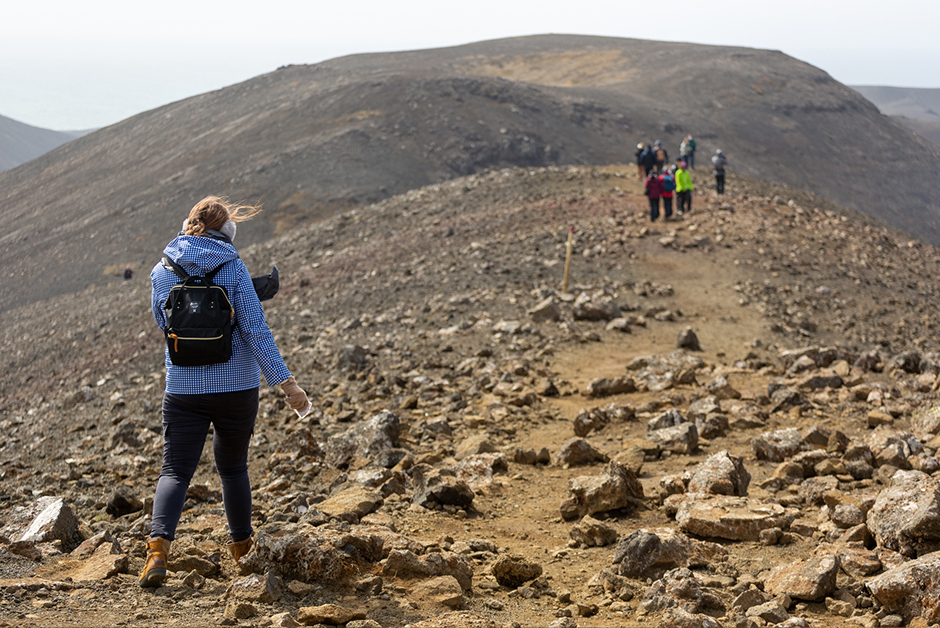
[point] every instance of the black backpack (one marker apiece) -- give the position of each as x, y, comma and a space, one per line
199, 319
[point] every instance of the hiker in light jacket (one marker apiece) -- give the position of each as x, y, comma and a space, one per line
223, 396
684, 188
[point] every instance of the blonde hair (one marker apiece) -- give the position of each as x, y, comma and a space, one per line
213, 211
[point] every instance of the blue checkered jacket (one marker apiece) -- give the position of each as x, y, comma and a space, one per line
253, 348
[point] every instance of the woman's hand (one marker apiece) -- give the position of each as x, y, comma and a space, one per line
296, 397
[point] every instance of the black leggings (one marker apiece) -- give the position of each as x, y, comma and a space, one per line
684, 200
720, 182
186, 420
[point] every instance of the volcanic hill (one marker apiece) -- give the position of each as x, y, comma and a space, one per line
486, 450
310, 141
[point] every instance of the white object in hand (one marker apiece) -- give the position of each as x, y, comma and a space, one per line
305, 411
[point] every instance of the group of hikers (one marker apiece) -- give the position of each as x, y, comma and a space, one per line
667, 181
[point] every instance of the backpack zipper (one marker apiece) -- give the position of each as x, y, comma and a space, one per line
176, 340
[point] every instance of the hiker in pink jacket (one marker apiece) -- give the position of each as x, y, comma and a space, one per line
653, 188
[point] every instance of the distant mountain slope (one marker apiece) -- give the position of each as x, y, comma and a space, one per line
308, 140
925, 128
21, 142
910, 102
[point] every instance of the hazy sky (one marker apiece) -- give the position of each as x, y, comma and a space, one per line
67, 64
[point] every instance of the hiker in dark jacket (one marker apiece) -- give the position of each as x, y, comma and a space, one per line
719, 162
668, 180
639, 160
661, 155
223, 396
648, 159
653, 188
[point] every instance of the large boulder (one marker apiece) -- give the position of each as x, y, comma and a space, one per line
439, 591
617, 487
650, 553
926, 423
678, 589
727, 517
53, 521
605, 386
681, 439
906, 516
577, 452
266, 588
442, 487
512, 570
363, 442
810, 580
894, 447
721, 389
328, 614
778, 445
600, 308
688, 340
720, 473
351, 504
547, 310
911, 589
322, 554
407, 564
589, 532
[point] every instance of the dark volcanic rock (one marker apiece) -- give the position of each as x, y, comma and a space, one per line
578, 452
688, 340
778, 445
720, 473
650, 553
437, 486
590, 532
405, 564
364, 441
910, 589
617, 487
123, 501
513, 571
311, 554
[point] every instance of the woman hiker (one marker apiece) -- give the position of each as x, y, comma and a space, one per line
653, 188
223, 395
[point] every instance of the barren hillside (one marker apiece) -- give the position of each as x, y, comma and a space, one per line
486, 450
21, 142
309, 141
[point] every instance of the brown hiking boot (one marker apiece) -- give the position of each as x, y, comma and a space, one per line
239, 548
154, 572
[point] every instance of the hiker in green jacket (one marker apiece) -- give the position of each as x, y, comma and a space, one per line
684, 188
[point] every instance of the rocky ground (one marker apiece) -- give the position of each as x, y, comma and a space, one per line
725, 420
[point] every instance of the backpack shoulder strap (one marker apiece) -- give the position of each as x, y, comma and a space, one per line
176, 268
